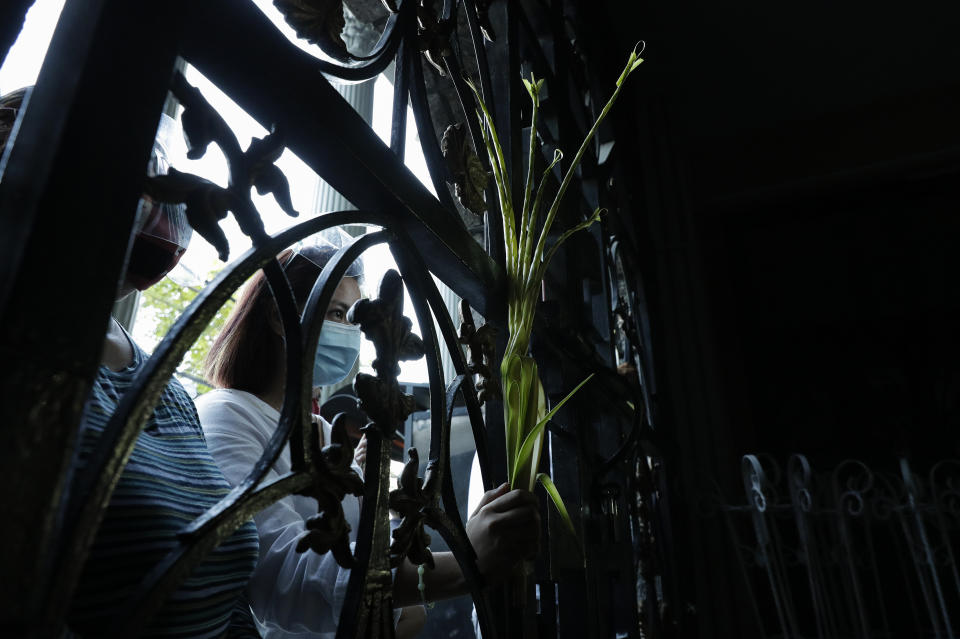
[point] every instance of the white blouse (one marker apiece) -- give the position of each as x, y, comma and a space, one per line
291, 594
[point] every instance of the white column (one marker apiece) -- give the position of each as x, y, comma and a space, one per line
360, 39
452, 301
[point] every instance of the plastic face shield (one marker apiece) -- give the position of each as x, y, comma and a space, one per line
319, 248
161, 230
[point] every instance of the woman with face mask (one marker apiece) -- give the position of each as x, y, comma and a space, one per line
170, 478
296, 594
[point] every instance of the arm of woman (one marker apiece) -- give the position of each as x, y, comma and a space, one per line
298, 592
504, 530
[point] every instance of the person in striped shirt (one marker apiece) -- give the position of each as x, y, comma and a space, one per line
170, 477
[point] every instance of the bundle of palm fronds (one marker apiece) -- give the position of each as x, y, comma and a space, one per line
524, 405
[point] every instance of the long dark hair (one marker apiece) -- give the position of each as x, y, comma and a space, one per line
246, 353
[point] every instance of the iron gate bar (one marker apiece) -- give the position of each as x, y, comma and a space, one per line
946, 497
756, 486
438, 482
366, 67
144, 602
136, 405
208, 530
12, 17
298, 396
903, 553
369, 589
408, 260
256, 257
69, 142
494, 225
505, 86
457, 77
452, 530
533, 47
370, 536
799, 479
436, 164
382, 53
470, 114
421, 287
96, 482
480, 51
432, 352
836, 529
914, 505
918, 570
401, 98
440, 411
570, 132
416, 280
243, 56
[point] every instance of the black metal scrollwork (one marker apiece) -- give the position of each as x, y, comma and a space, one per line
826, 548
433, 35
328, 530
470, 178
480, 343
483, 17
410, 539
319, 22
383, 323
208, 203
241, 56
369, 593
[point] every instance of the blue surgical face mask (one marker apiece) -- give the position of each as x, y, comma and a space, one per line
337, 352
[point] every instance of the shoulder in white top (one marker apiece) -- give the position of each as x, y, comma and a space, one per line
291, 594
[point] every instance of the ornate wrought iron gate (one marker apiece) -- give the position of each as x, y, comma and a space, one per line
68, 186
848, 551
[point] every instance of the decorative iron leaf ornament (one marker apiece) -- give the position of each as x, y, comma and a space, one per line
206, 204
369, 591
480, 343
433, 35
199, 121
483, 17
319, 22
383, 323
265, 176
328, 530
469, 177
410, 539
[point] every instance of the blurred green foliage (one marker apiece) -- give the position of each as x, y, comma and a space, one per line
165, 301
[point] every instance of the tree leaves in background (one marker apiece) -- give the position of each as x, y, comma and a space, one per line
165, 301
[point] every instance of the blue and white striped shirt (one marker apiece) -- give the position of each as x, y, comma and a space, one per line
169, 480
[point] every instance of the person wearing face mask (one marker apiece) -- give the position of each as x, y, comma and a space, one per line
170, 478
296, 594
